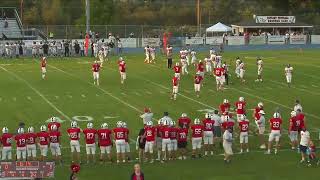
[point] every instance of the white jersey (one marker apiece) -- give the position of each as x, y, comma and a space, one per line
193, 54
305, 138
211, 52
207, 61
183, 54
260, 65
152, 50
146, 50
241, 66
238, 61
227, 137
288, 71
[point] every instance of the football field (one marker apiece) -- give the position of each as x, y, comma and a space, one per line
69, 93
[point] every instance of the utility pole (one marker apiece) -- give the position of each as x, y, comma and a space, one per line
198, 16
87, 16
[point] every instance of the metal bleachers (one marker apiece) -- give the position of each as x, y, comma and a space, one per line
13, 31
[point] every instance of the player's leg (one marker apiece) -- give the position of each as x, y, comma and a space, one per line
102, 154
97, 78
118, 150
246, 141
277, 139
271, 138
241, 142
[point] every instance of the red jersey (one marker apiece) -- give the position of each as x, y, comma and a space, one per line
182, 135
126, 134
173, 133
227, 124
197, 130
175, 81
150, 133
177, 69
224, 107
158, 130
240, 106
21, 140
119, 133
54, 136
43, 138
244, 126
50, 124
198, 79
165, 132
96, 67
200, 67
122, 66
184, 122
208, 124
74, 134
256, 113
104, 136
301, 117
275, 123
90, 135
218, 72
43, 63
6, 139
294, 124
31, 138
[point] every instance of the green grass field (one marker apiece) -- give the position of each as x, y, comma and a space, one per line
69, 92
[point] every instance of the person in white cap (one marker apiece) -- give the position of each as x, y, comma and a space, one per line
261, 128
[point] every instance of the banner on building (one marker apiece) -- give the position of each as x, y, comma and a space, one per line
235, 40
315, 39
256, 40
300, 39
129, 42
194, 40
276, 39
275, 19
216, 40
151, 42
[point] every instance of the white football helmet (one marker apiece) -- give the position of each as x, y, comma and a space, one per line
5, 130
124, 124
260, 104
196, 121
44, 58
149, 123
172, 124
207, 115
165, 123
226, 117
225, 101
30, 129
184, 115
54, 127
241, 99
200, 61
177, 64
20, 131
242, 117
53, 119
104, 126
276, 115
120, 59
90, 125
119, 124
74, 124
160, 122
43, 128
293, 113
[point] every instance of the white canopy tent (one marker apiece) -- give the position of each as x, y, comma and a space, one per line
219, 27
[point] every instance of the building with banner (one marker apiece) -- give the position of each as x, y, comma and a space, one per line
273, 25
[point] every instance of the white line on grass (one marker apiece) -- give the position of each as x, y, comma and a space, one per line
310, 92
314, 85
148, 92
83, 96
57, 97
69, 96
123, 93
97, 95
37, 92
29, 98
138, 94
14, 99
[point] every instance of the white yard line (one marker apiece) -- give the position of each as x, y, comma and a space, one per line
148, 92
83, 96
37, 92
14, 99
304, 90
138, 94
57, 97
69, 96
313, 85
29, 98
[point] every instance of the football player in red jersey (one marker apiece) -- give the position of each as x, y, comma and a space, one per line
301, 117
74, 136
43, 142
95, 72
197, 83
173, 139
256, 111
184, 121
53, 121
182, 142
90, 138
150, 135
31, 144
244, 133
119, 135
122, 70
275, 134
294, 124
225, 106
196, 138
6, 141
54, 137
240, 107
200, 68
166, 142
218, 73
105, 143
175, 87
43, 67
208, 134
21, 142
177, 70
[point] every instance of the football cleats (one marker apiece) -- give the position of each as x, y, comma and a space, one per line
5, 130
104, 126
90, 125
276, 115
20, 131
30, 129
196, 121
293, 113
241, 99
43, 128
74, 124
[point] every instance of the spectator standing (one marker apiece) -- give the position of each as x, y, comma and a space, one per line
146, 116
6, 23
119, 47
76, 48
66, 49
46, 48
81, 48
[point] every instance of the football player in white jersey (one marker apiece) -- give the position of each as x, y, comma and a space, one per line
260, 68
193, 57
101, 56
152, 51
184, 64
242, 71
208, 63
187, 51
288, 73
95, 49
147, 53
217, 61
237, 71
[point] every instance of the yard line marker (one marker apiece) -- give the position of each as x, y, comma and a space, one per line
37, 92
148, 92
314, 85
69, 96
83, 96
138, 94
124, 94
271, 101
29, 98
